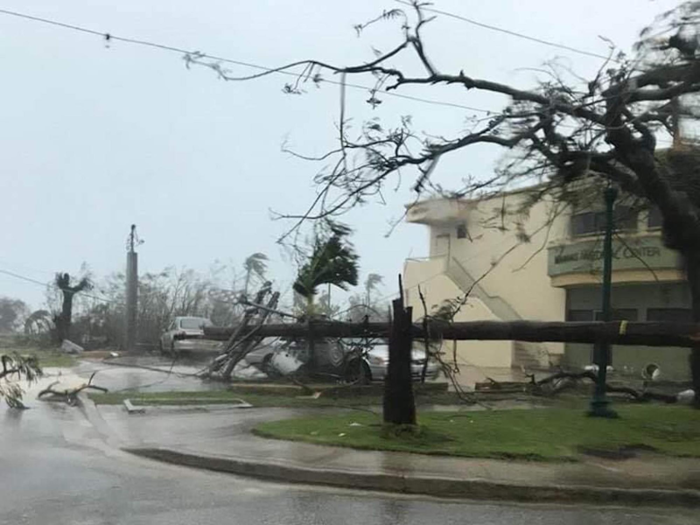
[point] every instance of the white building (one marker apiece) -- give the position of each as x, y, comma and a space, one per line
545, 265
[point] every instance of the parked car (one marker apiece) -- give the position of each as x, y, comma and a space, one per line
340, 359
284, 358
185, 334
378, 363
262, 356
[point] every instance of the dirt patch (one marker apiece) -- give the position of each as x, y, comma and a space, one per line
617, 454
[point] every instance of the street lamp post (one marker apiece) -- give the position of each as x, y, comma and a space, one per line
601, 356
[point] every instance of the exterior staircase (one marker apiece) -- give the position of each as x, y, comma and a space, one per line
530, 356
526, 355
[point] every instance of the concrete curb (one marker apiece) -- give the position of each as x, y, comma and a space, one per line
472, 489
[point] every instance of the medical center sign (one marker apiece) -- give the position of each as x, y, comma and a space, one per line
636, 253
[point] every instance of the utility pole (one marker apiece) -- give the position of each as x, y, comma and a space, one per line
599, 403
132, 280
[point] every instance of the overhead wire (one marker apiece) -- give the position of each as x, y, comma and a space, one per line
23, 277
110, 37
25, 268
512, 33
46, 283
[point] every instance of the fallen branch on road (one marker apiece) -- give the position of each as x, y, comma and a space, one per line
559, 383
70, 396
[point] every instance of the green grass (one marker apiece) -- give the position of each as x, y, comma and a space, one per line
539, 434
47, 358
55, 359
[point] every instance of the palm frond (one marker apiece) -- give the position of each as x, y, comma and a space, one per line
14, 368
373, 280
332, 261
256, 263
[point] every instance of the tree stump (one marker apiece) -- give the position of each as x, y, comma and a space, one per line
399, 404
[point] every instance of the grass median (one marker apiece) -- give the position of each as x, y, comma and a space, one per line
55, 359
46, 358
538, 434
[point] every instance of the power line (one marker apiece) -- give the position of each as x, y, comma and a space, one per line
26, 268
109, 37
24, 278
45, 284
513, 33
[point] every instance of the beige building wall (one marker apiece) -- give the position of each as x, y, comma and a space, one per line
515, 283
524, 266
435, 287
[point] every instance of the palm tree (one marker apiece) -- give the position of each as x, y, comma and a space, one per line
373, 280
38, 322
64, 319
254, 264
332, 261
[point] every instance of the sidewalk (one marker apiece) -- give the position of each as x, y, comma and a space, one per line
219, 439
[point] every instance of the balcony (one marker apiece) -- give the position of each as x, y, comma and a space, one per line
437, 211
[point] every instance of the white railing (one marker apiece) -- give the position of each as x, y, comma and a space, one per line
525, 353
499, 306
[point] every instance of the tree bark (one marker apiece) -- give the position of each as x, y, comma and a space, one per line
64, 319
681, 223
692, 262
311, 363
399, 404
685, 335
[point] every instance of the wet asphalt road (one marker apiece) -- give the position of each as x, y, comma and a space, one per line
56, 469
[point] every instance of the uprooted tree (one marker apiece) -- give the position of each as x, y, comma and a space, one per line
562, 133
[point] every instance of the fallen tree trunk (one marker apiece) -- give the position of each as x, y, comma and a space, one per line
620, 333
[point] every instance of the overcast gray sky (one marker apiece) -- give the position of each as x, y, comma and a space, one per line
95, 137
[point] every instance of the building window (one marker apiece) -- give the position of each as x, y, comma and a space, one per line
621, 314
461, 231
579, 315
678, 315
625, 218
585, 223
654, 220
593, 222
